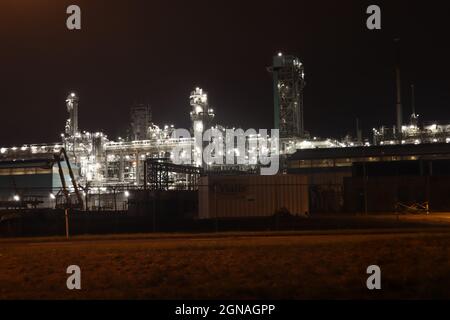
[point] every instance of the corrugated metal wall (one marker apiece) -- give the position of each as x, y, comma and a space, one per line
252, 196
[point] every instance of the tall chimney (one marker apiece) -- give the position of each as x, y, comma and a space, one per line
414, 116
399, 90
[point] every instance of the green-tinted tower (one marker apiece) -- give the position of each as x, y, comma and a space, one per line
288, 84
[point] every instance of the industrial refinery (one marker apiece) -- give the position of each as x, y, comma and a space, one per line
102, 164
222, 159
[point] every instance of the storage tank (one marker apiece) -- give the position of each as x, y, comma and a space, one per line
252, 196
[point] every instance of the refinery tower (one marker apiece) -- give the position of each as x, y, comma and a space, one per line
288, 84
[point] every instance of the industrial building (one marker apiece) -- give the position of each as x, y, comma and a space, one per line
252, 196
103, 166
104, 162
33, 182
375, 178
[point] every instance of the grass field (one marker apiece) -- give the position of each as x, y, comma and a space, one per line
414, 264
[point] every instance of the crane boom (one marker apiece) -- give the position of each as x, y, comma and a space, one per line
57, 156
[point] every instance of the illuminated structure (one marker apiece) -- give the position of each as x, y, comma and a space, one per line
101, 163
414, 132
201, 116
288, 83
72, 109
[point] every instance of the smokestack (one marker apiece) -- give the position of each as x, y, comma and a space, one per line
399, 90
414, 117
358, 131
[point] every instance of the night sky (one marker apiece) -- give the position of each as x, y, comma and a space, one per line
157, 51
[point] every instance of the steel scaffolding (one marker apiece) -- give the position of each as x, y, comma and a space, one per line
288, 84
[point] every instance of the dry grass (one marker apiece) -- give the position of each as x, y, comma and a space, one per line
282, 266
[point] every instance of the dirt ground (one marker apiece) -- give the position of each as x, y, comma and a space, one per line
414, 264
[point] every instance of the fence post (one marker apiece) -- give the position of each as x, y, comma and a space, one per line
115, 199
99, 199
155, 207
66, 214
365, 188
216, 222
430, 173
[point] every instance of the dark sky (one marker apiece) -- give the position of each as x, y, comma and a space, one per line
158, 51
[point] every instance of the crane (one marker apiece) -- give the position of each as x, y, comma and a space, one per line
57, 156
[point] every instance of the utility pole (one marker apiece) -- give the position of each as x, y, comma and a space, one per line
399, 91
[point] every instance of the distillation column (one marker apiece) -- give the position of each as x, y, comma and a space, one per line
288, 84
72, 109
201, 116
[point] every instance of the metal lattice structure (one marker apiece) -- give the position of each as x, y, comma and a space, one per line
162, 175
288, 84
57, 158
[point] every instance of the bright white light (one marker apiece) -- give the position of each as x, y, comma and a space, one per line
126, 194
280, 54
198, 126
72, 95
306, 145
52, 196
16, 197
